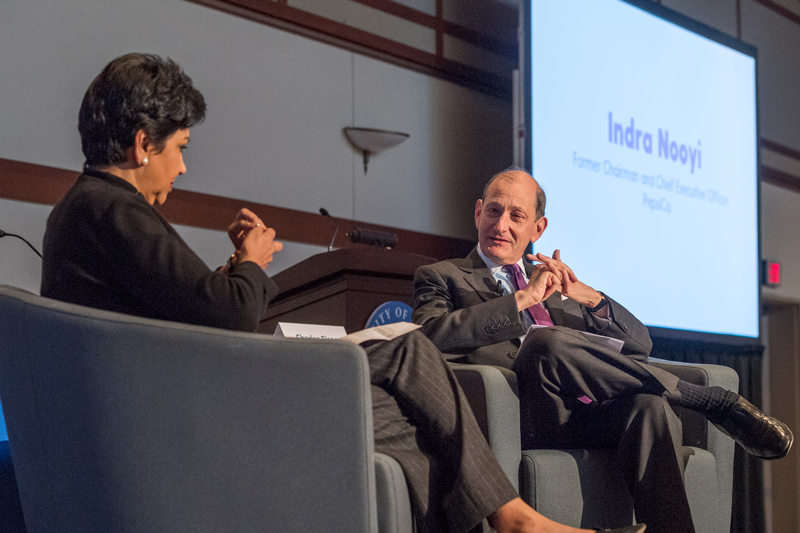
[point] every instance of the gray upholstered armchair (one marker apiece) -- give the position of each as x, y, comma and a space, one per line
118, 423
581, 487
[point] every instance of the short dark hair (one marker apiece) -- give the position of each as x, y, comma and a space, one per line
541, 199
136, 92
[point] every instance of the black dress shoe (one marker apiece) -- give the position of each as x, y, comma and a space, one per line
638, 528
760, 435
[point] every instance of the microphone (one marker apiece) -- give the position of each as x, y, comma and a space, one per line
324, 212
4, 234
500, 289
381, 239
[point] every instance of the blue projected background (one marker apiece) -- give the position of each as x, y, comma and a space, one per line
3, 431
644, 138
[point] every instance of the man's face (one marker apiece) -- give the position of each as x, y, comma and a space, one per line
506, 219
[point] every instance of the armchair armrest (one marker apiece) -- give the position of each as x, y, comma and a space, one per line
699, 432
700, 373
491, 392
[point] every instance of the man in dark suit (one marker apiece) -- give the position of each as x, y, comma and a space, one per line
574, 392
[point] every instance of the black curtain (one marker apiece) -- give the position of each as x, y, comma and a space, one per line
748, 476
11, 520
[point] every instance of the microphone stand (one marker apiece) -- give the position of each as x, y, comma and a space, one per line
4, 234
324, 212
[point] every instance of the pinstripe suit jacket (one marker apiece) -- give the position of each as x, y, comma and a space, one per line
460, 310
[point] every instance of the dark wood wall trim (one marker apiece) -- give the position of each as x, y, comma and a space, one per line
37, 184
293, 19
780, 178
780, 148
780, 10
777, 177
41, 184
497, 44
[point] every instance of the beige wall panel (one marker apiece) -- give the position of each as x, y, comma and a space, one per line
458, 139
214, 247
780, 239
778, 42
373, 21
19, 266
780, 162
276, 101
719, 14
426, 6
480, 15
791, 5
459, 50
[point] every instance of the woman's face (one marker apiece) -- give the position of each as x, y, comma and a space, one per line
162, 168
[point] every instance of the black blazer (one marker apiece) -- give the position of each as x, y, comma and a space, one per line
106, 247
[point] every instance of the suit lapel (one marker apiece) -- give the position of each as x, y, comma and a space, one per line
478, 276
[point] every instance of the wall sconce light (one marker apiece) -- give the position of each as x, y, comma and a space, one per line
371, 141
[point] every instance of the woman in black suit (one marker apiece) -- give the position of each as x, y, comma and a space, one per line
107, 246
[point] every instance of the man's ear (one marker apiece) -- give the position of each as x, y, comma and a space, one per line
540, 225
478, 208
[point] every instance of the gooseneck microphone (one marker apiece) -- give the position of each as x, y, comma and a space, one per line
324, 212
381, 239
4, 234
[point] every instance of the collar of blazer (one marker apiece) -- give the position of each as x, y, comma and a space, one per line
478, 276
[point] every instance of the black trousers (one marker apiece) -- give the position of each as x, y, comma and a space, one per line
577, 394
423, 420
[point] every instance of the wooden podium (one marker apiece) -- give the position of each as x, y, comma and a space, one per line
342, 288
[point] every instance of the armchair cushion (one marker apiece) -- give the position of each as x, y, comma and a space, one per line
582, 488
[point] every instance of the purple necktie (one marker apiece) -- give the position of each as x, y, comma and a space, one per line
536, 312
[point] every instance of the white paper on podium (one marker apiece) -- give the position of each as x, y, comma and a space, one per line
291, 330
602, 340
